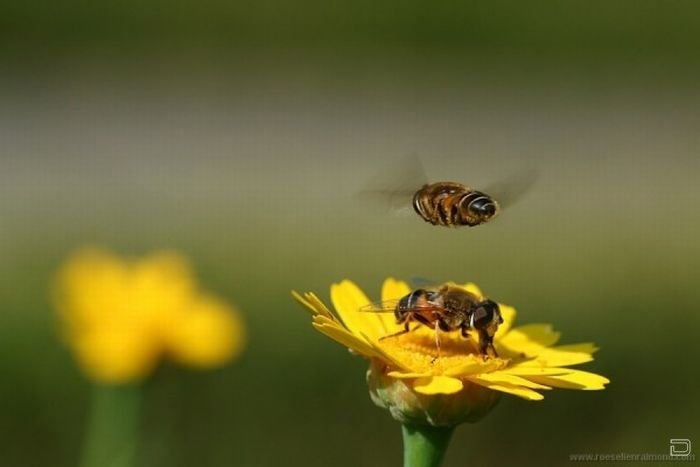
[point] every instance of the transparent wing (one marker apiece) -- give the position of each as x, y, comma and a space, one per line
389, 306
396, 202
393, 189
384, 306
511, 189
420, 282
434, 286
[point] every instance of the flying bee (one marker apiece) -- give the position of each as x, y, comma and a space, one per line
447, 204
452, 204
446, 309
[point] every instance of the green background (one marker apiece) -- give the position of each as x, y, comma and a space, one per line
239, 133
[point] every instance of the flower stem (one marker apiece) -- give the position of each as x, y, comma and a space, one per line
425, 446
112, 427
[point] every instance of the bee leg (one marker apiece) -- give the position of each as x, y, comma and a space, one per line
437, 342
403, 331
491, 351
486, 347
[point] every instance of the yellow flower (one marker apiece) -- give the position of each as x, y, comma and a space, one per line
409, 378
121, 317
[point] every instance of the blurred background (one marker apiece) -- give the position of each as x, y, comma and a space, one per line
239, 132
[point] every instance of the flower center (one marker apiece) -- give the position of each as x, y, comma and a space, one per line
420, 351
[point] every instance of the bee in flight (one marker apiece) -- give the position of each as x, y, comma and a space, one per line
452, 204
446, 309
447, 204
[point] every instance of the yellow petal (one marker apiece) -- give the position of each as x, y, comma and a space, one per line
312, 303
342, 336
518, 370
576, 379
529, 339
519, 391
302, 300
116, 355
347, 299
392, 289
91, 289
556, 357
360, 343
160, 284
207, 335
321, 319
475, 364
407, 375
387, 357
582, 347
437, 385
508, 314
509, 379
473, 288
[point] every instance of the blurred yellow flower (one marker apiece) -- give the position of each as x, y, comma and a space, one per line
406, 377
122, 316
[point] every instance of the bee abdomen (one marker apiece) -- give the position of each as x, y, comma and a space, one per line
410, 302
476, 207
453, 204
436, 203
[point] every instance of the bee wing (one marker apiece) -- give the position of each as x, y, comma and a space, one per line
389, 306
394, 189
384, 306
419, 282
427, 284
509, 190
397, 202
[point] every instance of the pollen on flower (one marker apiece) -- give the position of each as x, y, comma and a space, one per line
418, 350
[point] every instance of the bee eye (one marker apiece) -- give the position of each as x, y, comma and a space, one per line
489, 209
483, 206
482, 317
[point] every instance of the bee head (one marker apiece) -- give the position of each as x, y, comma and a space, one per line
484, 207
487, 317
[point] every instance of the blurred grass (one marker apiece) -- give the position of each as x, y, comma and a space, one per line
590, 27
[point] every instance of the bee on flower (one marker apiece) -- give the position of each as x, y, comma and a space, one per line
121, 317
426, 379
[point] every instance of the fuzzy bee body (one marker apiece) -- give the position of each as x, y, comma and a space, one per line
452, 204
449, 308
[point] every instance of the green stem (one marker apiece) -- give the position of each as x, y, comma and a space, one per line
112, 427
425, 446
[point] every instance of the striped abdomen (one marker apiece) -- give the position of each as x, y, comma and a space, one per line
453, 204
